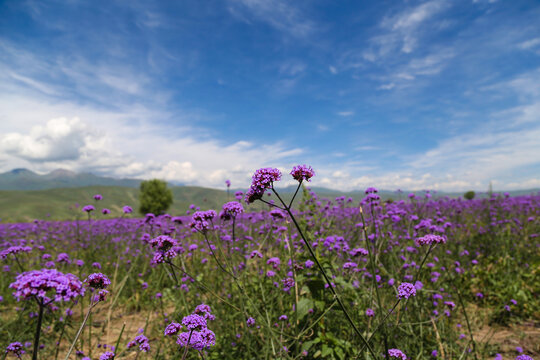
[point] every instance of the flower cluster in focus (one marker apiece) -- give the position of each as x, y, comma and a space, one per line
197, 336
48, 285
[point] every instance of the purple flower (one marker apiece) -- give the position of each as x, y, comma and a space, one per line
97, 281
88, 208
262, 180
430, 239
109, 355
250, 322
302, 172
288, 283
524, 357
48, 285
406, 290
231, 210
201, 220
16, 348
140, 340
274, 261
163, 243
198, 340
14, 250
63, 258
371, 190
228, 183
98, 197
105, 211
205, 311
127, 209
172, 329
194, 322
396, 353
370, 312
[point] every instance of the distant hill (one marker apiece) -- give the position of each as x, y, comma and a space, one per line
60, 195
67, 203
24, 179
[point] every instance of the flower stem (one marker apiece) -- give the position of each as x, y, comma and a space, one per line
326, 278
80, 330
38, 330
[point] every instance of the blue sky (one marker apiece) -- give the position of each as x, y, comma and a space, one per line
395, 94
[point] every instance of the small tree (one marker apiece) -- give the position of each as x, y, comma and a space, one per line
469, 195
155, 197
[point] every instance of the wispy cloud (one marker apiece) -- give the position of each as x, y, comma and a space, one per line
404, 27
530, 44
279, 14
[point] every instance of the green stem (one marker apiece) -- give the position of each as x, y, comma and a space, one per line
326, 278
38, 330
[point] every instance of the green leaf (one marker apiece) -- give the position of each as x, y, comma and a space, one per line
303, 307
326, 350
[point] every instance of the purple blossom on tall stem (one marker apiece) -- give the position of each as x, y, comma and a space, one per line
406, 290
302, 172
45, 286
396, 353
262, 180
231, 210
108, 355
88, 208
97, 281
16, 348
430, 239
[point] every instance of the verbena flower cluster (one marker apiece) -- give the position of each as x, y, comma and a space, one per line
197, 336
97, 281
524, 357
108, 355
396, 353
164, 246
48, 285
262, 180
88, 208
231, 210
201, 220
15, 348
302, 172
406, 290
430, 239
140, 340
14, 250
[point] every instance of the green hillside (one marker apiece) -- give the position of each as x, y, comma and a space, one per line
66, 203
61, 204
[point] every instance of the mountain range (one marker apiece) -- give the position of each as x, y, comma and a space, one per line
24, 179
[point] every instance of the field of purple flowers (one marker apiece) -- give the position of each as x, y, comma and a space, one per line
416, 278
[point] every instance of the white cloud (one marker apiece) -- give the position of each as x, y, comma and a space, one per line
60, 139
529, 44
389, 86
333, 69
279, 14
346, 113
405, 25
126, 144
